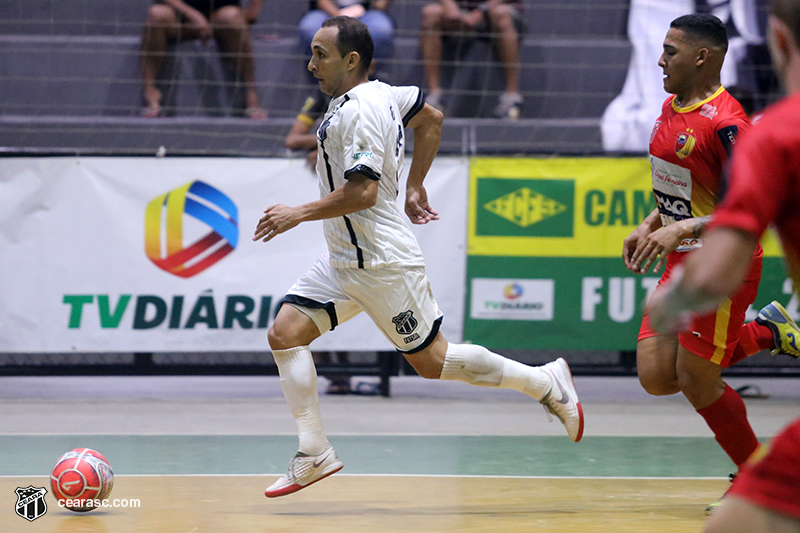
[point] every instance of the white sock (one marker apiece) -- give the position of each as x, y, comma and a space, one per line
299, 384
476, 365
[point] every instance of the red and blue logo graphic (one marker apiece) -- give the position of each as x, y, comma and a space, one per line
165, 228
513, 291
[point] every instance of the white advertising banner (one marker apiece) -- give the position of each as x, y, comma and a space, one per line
512, 299
107, 254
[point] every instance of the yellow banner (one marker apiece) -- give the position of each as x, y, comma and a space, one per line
560, 207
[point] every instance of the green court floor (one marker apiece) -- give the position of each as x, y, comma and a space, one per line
33, 455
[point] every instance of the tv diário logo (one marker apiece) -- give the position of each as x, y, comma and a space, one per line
166, 228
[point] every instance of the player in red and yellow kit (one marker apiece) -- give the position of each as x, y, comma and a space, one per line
764, 188
690, 144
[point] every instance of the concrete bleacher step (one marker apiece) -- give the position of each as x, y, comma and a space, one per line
100, 76
544, 18
244, 137
120, 17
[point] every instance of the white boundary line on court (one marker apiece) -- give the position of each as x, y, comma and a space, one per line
406, 475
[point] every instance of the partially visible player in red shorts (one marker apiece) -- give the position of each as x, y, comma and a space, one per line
690, 144
764, 189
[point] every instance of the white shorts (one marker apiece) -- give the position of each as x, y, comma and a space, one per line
399, 301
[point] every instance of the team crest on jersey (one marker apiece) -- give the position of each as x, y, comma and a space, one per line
405, 322
655, 130
685, 144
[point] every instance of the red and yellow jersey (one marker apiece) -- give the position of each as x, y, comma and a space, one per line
688, 150
764, 182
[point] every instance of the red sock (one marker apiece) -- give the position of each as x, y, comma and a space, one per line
727, 418
753, 338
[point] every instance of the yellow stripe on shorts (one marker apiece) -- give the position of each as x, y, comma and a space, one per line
721, 331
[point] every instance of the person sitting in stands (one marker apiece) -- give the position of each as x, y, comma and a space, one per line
181, 20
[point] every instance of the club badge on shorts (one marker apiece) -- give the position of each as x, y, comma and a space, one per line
30, 502
405, 322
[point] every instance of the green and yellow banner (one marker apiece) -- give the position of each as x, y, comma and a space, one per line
544, 265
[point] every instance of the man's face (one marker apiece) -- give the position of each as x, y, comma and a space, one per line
678, 61
326, 63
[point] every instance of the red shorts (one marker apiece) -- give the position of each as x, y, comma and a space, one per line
771, 478
713, 336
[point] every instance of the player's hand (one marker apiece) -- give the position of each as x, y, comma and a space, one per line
417, 207
655, 248
277, 219
629, 246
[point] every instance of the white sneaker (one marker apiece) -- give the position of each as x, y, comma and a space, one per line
304, 470
562, 400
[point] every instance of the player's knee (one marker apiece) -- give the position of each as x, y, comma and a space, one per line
281, 338
657, 385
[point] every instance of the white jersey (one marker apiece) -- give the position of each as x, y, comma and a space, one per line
362, 132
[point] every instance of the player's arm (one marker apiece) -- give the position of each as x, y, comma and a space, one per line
710, 274
427, 126
656, 246
358, 193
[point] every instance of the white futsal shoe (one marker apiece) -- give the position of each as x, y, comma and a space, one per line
305, 470
562, 400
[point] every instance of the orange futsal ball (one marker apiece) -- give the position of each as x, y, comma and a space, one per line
81, 479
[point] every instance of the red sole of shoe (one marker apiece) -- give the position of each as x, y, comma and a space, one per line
580, 429
294, 488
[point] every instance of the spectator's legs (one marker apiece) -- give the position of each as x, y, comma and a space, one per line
430, 44
233, 36
309, 25
507, 41
161, 25
382, 31
502, 19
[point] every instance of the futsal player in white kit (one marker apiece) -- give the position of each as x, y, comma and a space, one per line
374, 263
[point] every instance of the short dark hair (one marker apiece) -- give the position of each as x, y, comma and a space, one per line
788, 12
705, 27
353, 37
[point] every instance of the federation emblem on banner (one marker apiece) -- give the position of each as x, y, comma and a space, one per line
30, 502
166, 226
685, 144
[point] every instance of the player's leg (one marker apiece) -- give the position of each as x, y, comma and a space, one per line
289, 337
737, 515
313, 306
705, 350
722, 408
550, 384
401, 304
656, 358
